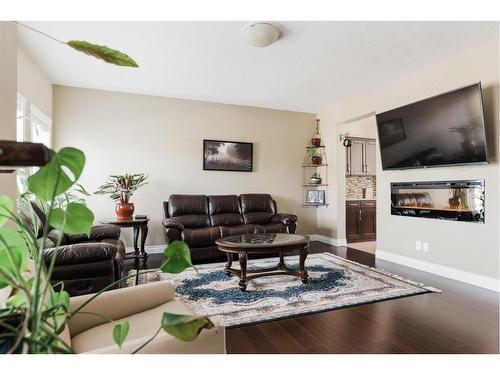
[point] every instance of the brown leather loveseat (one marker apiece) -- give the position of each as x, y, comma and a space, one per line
199, 220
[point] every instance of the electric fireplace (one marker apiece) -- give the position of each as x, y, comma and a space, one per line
446, 200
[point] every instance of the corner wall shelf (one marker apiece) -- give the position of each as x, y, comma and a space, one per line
315, 184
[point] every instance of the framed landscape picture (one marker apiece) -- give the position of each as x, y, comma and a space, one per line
227, 156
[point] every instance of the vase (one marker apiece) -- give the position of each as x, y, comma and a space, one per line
124, 211
316, 141
316, 160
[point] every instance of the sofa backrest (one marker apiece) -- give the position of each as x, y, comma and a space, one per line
190, 210
257, 208
224, 210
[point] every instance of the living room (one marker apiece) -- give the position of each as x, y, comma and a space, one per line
249, 187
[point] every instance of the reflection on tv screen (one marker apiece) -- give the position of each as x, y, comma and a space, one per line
443, 130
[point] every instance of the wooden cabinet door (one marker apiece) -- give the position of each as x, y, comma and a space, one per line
357, 153
370, 158
368, 221
353, 216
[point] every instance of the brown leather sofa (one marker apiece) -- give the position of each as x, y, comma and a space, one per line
84, 263
199, 220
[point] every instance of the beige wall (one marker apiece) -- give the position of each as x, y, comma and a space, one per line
465, 246
32, 83
8, 66
164, 138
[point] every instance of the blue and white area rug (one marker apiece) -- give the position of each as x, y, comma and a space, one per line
334, 283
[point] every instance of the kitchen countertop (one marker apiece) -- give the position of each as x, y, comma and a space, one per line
361, 199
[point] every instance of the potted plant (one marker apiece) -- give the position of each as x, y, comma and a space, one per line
316, 139
315, 179
315, 155
120, 188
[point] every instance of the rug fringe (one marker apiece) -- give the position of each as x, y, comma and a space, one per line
386, 273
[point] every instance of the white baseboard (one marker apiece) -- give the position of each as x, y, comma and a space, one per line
448, 272
158, 249
328, 240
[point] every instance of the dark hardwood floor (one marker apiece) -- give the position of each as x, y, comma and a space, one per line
461, 319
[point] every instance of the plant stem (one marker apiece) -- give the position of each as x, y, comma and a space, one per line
38, 31
147, 342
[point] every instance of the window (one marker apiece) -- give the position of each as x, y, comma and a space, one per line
32, 126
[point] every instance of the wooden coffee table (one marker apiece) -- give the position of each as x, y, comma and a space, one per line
274, 243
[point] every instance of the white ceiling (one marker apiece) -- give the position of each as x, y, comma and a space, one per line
313, 64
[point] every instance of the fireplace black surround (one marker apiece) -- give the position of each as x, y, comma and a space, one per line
445, 200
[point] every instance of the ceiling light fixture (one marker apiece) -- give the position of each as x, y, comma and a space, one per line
261, 34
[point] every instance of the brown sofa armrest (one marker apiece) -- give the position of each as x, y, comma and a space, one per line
97, 233
172, 223
80, 253
285, 219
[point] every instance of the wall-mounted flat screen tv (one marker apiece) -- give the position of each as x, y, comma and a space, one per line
443, 130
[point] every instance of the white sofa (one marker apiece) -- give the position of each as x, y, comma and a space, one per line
142, 306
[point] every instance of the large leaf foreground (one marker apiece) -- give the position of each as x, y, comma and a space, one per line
63, 170
107, 54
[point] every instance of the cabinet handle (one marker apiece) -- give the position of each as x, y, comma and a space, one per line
359, 215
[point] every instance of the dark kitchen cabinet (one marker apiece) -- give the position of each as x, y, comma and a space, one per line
361, 221
360, 158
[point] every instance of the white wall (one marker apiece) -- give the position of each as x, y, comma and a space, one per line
467, 247
8, 97
163, 138
32, 83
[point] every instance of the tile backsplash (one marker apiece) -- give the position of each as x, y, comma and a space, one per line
354, 186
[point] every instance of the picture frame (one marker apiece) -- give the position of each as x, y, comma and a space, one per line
315, 197
230, 156
391, 132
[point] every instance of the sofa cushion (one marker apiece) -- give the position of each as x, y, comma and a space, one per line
257, 203
224, 210
257, 217
223, 204
238, 229
181, 204
193, 221
200, 237
226, 220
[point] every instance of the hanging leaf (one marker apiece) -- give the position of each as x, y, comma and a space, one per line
102, 52
11, 242
184, 327
5, 209
75, 219
177, 257
43, 183
120, 332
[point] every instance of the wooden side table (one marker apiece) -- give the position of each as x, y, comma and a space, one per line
140, 226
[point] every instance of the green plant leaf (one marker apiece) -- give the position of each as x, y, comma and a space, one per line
177, 257
5, 209
184, 327
107, 54
75, 219
54, 177
11, 241
120, 332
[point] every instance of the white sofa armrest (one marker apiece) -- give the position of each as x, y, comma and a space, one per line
118, 304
